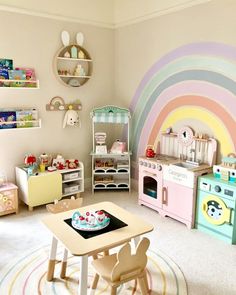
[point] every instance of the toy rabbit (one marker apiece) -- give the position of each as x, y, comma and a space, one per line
71, 118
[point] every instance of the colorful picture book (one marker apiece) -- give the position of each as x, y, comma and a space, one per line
6, 117
17, 75
4, 74
6, 64
29, 73
24, 116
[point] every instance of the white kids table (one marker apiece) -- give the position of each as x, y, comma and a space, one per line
79, 246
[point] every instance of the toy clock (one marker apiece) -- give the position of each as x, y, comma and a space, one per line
185, 136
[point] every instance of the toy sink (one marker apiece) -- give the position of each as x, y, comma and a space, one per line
187, 165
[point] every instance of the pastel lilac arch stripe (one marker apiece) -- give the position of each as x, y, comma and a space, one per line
194, 75
203, 48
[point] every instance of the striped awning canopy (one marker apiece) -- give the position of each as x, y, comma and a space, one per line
110, 114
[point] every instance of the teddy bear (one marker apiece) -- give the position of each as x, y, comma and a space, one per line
72, 163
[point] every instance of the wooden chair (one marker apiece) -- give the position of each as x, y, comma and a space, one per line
122, 267
64, 205
57, 207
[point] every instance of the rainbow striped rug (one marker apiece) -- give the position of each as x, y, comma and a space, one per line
26, 275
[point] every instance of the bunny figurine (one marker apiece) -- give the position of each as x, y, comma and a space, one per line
71, 118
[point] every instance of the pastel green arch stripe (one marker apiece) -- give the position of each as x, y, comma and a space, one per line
214, 123
209, 63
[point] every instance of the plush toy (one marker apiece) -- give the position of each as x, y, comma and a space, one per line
71, 118
72, 163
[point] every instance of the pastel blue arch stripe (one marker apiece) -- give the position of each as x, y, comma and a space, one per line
214, 64
202, 48
207, 76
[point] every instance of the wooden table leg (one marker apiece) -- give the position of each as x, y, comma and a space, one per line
83, 275
52, 259
64, 264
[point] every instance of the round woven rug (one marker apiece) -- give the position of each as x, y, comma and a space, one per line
26, 275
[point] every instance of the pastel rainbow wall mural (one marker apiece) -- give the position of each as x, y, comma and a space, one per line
196, 81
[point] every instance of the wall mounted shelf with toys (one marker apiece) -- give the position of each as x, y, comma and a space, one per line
20, 78
16, 119
72, 64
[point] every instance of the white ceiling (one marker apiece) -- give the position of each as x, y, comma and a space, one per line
105, 13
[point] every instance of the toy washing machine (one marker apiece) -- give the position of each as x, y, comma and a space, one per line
216, 205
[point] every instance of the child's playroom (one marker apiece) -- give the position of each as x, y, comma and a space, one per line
118, 147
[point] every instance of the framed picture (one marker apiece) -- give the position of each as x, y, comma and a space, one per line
6, 64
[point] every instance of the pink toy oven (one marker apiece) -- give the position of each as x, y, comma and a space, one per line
151, 181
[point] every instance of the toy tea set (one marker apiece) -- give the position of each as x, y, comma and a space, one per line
46, 162
90, 220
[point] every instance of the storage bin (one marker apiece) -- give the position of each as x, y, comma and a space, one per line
70, 188
69, 176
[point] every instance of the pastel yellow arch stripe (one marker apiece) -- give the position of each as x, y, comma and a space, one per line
214, 123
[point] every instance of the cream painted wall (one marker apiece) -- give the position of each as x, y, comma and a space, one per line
98, 12
139, 46
133, 11
32, 42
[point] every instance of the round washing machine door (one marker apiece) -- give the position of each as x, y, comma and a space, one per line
215, 210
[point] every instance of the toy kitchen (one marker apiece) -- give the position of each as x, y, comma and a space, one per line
168, 179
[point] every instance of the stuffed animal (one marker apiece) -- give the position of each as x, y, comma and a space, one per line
71, 118
72, 163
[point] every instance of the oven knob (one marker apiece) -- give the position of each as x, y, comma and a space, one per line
153, 166
145, 164
159, 168
149, 165
217, 188
141, 163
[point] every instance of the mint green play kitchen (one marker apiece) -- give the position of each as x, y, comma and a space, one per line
216, 202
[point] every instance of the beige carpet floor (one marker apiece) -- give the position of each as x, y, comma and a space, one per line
208, 264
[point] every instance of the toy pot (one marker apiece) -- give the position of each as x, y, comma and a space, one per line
150, 152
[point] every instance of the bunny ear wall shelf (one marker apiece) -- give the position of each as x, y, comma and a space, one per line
72, 63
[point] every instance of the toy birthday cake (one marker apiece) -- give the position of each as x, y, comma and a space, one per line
90, 220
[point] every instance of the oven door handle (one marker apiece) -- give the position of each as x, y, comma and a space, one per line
149, 173
164, 195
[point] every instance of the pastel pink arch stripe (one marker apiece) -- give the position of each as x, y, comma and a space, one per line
204, 89
194, 100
